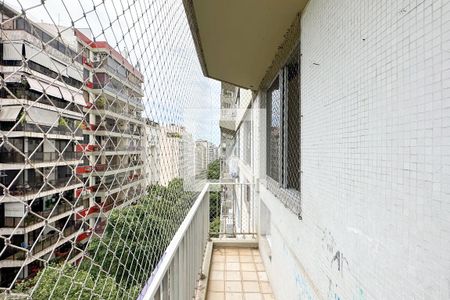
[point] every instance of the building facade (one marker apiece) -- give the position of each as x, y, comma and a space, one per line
171, 147
151, 152
348, 121
72, 150
201, 157
39, 116
113, 168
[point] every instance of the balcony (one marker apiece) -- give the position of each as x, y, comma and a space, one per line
114, 75
32, 97
31, 188
39, 216
86, 62
222, 248
85, 191
39, 157
45, 245
115, 150
228, 119
86, 148
89, 84
87, 212
83, 170
113, 111
118, 93
113, 130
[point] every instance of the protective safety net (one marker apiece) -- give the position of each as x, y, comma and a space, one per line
97, 152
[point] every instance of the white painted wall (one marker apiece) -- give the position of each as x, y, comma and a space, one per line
375, 79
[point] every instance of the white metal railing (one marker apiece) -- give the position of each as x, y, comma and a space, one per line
176, 275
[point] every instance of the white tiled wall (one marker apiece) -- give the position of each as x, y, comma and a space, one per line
375, 156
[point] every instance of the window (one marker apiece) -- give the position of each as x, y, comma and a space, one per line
291, 137
283, 125
228, 94
273, 129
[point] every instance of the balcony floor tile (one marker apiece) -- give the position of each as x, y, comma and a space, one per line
238, 273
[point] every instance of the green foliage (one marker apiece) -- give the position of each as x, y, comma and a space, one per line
137, 236
214, 205
117, 265
174, 135
23, 118
58, 282
63, 122
100, 102
214, 170
214, 227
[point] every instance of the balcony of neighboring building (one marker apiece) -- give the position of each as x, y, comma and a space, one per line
103, 106
18, 185
27, 152
21, 29
20, 252
114, 128
106, 64
109, 148
228, 112
115, 184
228, 119
14, 160
114, 166
21, 219
43, 95
19, 121
119, 199
105, 84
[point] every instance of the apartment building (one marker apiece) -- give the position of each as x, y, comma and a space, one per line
72, 149
201, 157
213, 153
347, 161
205, 153
151, 152
171, 147
41, 106
113, 131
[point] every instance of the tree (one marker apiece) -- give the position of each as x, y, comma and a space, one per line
137, 236
214, 200
117, 264
214, 170
66, 282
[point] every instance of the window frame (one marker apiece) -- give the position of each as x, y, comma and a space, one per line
269, 118
284, 162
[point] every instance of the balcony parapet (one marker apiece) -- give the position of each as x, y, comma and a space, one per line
45, 245
86, 148
38, 157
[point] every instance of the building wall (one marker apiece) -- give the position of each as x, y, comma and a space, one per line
375, 92
151, 153
170, 142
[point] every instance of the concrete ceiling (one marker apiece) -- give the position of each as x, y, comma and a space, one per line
238, 39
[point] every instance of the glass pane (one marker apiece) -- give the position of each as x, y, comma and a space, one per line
274, 128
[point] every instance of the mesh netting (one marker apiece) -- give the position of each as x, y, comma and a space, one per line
97, 166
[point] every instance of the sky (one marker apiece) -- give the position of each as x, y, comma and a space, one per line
155, 34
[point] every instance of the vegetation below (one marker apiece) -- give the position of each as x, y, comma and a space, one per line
119, 263
214, 200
